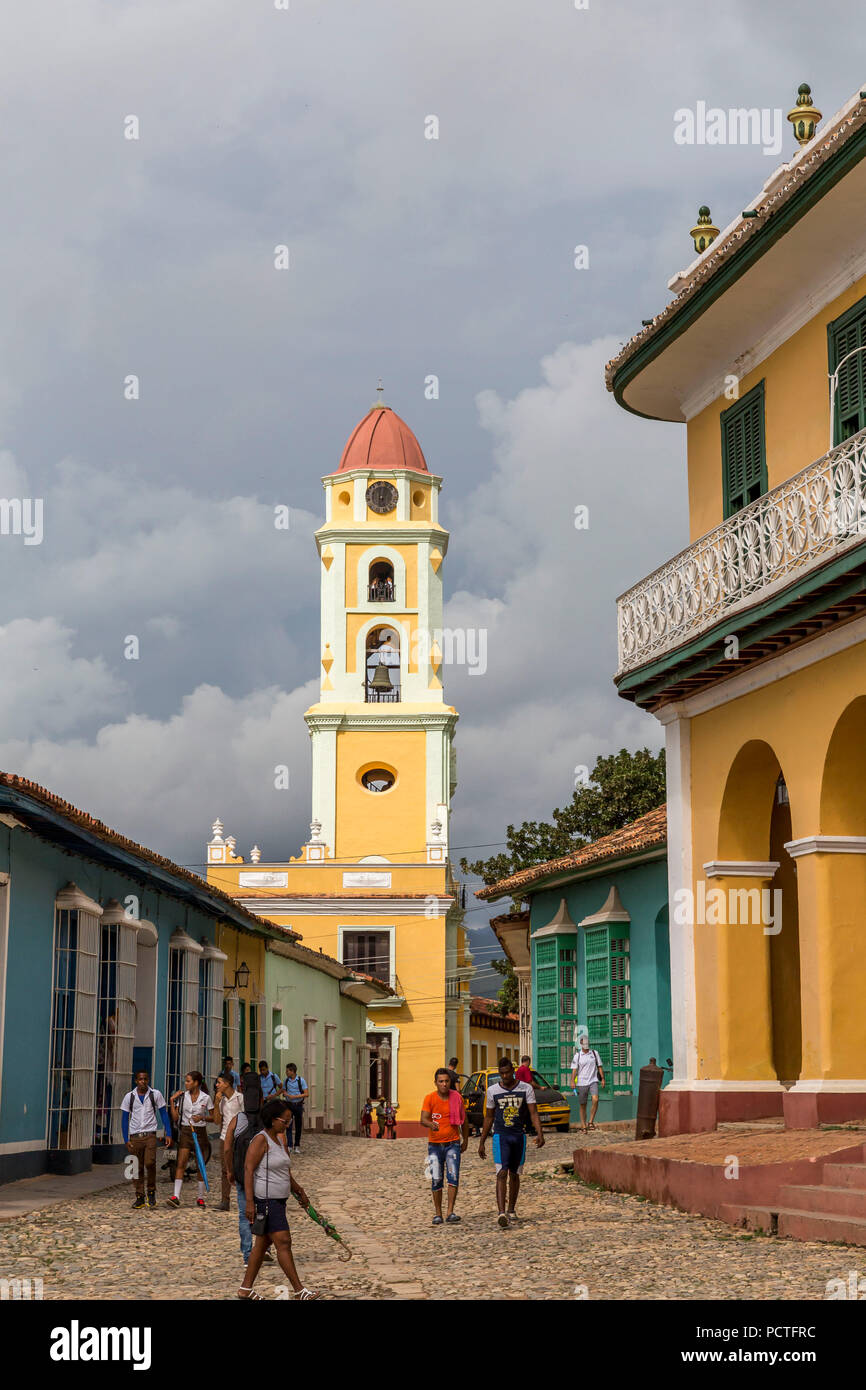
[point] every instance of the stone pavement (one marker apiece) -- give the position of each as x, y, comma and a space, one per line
570, 1237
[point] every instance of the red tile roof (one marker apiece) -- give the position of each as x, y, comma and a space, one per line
647, 832
382, 441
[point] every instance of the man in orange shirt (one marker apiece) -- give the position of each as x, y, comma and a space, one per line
444, 1114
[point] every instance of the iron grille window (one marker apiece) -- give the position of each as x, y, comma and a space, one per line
744, 461
73, 1029
846, 335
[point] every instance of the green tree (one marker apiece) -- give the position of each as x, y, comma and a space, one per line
621, 787
507, 996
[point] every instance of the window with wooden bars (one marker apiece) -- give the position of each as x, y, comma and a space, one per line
744, 456
847, 335
608, 996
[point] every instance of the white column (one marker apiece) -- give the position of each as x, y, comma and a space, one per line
682, 938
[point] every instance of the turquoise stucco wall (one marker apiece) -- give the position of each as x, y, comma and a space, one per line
643, 890
38, 870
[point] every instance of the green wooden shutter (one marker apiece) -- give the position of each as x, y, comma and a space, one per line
744, 457
598, 995
846, 335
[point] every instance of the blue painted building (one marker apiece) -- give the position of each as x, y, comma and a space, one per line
108, 961
600, 958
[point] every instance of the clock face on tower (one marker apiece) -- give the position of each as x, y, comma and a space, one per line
381, 497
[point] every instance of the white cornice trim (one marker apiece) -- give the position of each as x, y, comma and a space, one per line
741, 868
428, 720
826, 844
775, 668
367, 532
346, 907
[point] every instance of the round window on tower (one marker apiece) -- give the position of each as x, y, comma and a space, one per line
418, 498
377, 778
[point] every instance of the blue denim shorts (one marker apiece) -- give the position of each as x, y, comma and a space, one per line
444, 1162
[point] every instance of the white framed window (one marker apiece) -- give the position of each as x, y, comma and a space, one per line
232, 1028
211, 971
349, 1113
330, 1074
115, 1019
369, 950
75, 984
362, 1079
182, 1016
310, 1063
258, 1031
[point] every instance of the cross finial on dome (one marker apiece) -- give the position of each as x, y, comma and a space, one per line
379, 403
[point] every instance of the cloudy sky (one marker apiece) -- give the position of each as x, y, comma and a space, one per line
154, 257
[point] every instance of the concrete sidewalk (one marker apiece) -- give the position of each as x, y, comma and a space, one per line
34, 1194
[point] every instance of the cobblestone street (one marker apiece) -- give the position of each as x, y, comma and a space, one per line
618, 1246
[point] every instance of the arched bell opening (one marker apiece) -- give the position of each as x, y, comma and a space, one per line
382, 667
380, 582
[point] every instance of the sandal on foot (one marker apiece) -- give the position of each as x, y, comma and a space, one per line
304, 1294
245, 1294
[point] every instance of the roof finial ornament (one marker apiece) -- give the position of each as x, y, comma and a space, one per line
379, 403
704, 231
804, 116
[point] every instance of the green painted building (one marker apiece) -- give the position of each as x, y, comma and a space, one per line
600, 958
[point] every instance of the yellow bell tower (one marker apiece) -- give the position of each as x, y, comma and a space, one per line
373, 885
383, 758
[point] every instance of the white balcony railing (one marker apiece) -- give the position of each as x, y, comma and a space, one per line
814, 516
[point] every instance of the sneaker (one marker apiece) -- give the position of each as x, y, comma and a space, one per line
268, 1258
512, 1217
138, 1204
437, 1220
503, 1220
200, 1202
174, 1201
452, 1218
151, 1201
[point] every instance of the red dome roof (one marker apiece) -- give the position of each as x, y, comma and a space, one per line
382, 441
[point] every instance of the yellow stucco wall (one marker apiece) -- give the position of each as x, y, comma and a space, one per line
389, 823
797, 415
419, 964
795, 718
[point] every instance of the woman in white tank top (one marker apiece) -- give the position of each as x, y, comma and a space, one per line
268, 1182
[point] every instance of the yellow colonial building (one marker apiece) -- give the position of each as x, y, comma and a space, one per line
750, 644
373, 886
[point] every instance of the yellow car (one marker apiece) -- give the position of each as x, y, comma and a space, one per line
553, 1109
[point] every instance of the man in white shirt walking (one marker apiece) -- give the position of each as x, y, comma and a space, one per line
586, 1074
142, 1108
